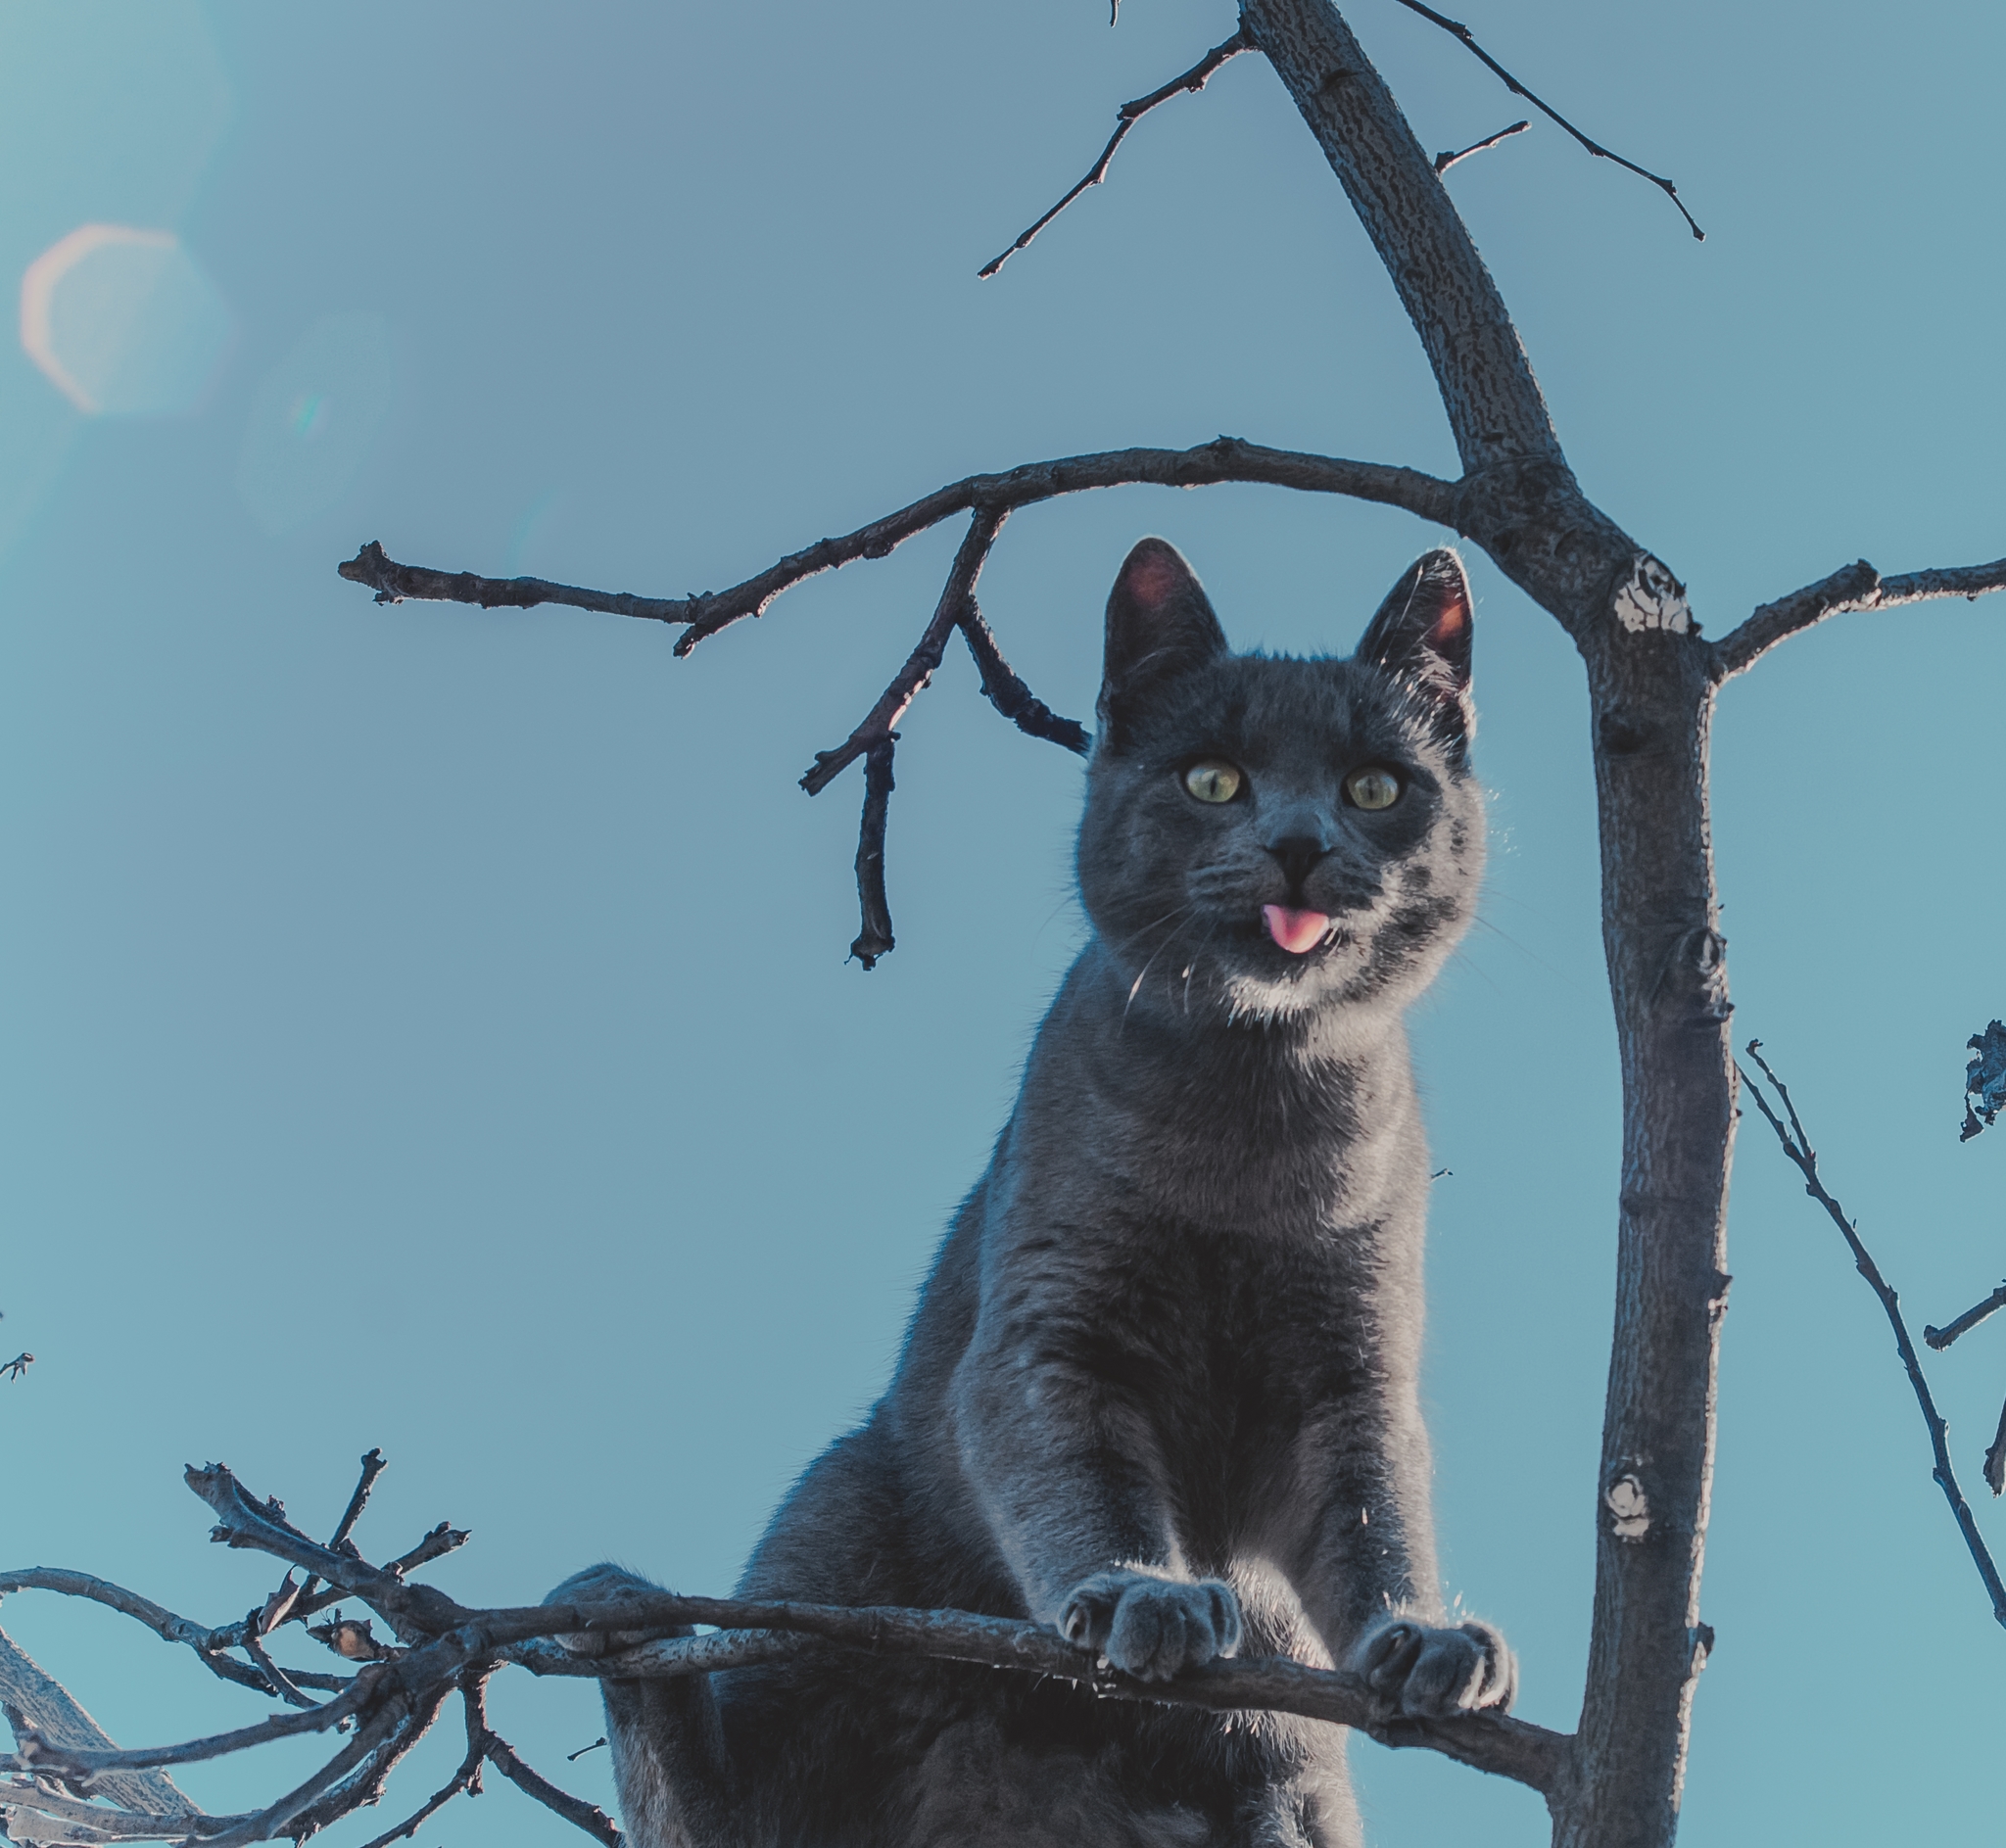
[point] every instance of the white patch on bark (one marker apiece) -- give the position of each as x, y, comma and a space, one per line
1628, 1507
1650, 598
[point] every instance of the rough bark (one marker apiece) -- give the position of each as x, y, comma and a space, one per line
1652, 682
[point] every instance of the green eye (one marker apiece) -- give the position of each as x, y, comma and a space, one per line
1372, 788
1214, 780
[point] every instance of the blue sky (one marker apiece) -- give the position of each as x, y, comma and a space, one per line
429, 1027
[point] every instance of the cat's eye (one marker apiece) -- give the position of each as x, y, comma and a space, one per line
1214, 780
1373, 787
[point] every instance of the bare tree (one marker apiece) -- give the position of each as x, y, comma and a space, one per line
1652, 679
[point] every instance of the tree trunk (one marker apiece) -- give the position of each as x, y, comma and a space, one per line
1652, 682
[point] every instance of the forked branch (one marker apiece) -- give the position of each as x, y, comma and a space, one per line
990, 500
1797, 1146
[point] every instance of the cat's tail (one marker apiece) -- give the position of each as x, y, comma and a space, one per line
671, 1766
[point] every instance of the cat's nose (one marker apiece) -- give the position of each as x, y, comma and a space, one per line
1297, 855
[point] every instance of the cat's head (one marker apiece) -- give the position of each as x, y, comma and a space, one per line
1266, 838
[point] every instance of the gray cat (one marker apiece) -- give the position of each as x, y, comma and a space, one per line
1160, 1392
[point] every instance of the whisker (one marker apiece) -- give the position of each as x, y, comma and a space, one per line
1150, 925
1531, 955
1211, 931
1135, 988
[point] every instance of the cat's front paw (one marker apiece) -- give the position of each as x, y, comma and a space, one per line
1151, 1627
603, 1584
1428, 1672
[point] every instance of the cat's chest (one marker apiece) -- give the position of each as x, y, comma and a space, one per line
1290, 1156
1230, 1345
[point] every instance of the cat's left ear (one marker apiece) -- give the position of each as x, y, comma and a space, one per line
1422, 633
1160, 625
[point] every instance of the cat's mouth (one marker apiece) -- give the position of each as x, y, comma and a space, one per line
1296, 931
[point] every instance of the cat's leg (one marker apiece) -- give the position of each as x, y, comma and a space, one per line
1368, 1577
1064, 1461
670, 1762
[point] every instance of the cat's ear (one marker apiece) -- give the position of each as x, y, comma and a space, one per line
1160, 623
1422, 633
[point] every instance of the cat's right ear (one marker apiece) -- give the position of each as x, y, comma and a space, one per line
1160, 623
1422, 633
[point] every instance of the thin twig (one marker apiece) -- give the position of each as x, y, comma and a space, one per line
18, 1368
1460, 31
1853, 586
1444, 161
875, 938
441, 1541
910, 680
1225, 459
273, 1819
1797, 1146
275, 1674
502, 1756
373, 1465
1995, 1458
1942, 1338
1127, 116
367, 1785
208, 1644
472, 1691
874, 737
79, 1763
1008, 693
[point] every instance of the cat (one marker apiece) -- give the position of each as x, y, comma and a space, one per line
1160, 1390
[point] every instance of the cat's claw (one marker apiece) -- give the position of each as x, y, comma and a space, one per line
603, 1584
1430, 1672
1151, 1627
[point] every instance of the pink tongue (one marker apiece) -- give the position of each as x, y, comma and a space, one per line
1296, 931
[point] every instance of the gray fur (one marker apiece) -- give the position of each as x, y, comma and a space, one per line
1161, 1389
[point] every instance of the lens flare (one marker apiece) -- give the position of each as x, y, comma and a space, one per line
316, 418
122, 321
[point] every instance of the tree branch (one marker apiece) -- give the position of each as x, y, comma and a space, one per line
989, 499
504, 1758
876, 726
1492, 404
1447, 159
393, 1703
1225, 458
1942, 1338
1009, 694
874, 937
1797, 1146
1853, 586
208, 1644
38, 1704
1129, 115
100, 1823
874, 737
1511, 84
